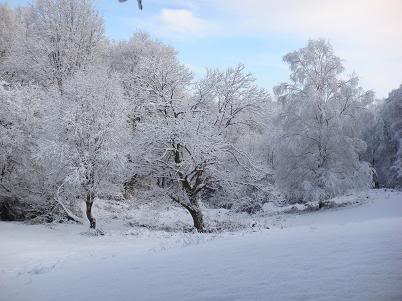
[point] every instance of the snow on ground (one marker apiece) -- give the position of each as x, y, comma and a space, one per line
346, 253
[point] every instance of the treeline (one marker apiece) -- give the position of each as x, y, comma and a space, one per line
83, 117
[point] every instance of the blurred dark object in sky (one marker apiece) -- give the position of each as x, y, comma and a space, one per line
139, 3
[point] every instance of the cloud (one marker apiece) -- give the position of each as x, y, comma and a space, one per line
367, 33
365, 17
183, 21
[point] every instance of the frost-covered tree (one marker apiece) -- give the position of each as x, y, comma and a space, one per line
318, 145
190, 155
8, 31
88, 134
383, 137
12, 138
376, 135
22, 111
392, 116
242, 113
59, 37
157, 84
150, 71
233, 97
153, 79
185, 142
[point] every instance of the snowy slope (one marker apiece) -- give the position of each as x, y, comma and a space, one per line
349, 253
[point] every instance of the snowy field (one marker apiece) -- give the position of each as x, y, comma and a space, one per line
347, 253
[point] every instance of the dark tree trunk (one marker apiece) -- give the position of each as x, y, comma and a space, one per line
196, 214
89, 202
189, 189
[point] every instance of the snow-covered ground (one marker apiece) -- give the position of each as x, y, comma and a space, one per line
347, 253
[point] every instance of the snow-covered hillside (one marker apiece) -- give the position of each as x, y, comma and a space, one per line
347, 253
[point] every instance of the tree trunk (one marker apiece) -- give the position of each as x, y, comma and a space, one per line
196, 214
89, 202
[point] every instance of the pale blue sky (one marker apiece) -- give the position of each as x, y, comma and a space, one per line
218, 33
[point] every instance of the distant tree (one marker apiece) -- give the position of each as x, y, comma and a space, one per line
318, 145
376, 135
392, 116
384, 136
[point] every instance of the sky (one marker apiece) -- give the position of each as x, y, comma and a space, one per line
366, 34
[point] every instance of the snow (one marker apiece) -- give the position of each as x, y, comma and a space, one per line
347, 253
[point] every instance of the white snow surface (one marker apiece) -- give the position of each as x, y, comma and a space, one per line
347, 253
